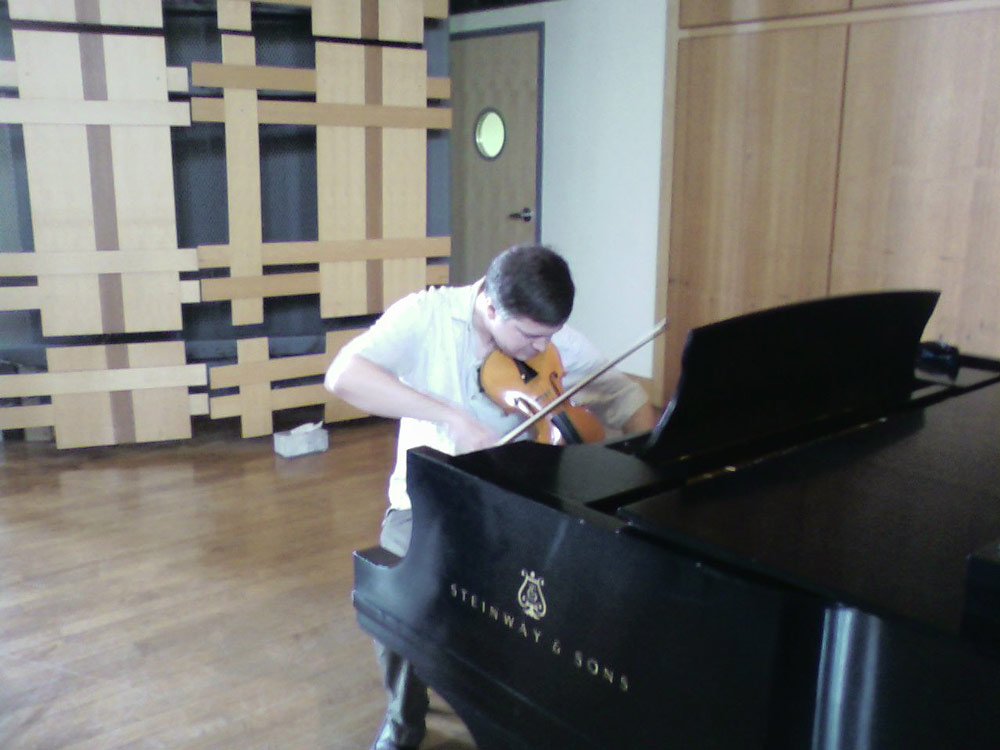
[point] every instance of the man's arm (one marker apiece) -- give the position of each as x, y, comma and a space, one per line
367, 386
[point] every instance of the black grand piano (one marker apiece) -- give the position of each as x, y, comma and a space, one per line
805, 553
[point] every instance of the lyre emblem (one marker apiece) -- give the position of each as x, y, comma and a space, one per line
530, 597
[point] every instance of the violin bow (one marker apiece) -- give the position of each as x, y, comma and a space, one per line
569, 392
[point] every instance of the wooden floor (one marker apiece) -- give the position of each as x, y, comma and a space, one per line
192, 595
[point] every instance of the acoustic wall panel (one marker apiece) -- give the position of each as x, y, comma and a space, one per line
371, 117
369, 106
373, 20
258, 379
401, 169
128, 13
390, 162
382, 20
94, 106
243, 178
107, 394
342, 188
122, 393
95, 116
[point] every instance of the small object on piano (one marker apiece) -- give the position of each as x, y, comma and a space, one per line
938, 357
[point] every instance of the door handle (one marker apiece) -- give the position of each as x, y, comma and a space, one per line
525, 215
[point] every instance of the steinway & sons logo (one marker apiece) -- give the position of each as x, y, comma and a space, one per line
531, 601
530, 597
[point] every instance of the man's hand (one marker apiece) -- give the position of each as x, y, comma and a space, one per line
470, 434
367, 386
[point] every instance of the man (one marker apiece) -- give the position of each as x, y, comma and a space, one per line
420, 361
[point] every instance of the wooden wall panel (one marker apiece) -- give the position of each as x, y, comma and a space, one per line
243, 178
255, 375
234, 15
142, 174
357, 254
708, 12
754, 173
371, 117
59, 179
106, 395
403, 171
377, 20
94, 106
94, 110
341, 156
863, 4
919, 194
138, 13
382, 20
104, 182
917, 176
396, 21
163, 413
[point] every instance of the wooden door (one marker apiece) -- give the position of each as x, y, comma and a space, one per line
498, 73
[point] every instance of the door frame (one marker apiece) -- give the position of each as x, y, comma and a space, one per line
538, 27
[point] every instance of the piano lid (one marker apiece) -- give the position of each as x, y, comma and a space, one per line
776, 371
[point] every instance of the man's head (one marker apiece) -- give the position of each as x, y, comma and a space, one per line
529, 294
531, 281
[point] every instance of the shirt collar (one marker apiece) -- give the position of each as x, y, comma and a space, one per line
464, 302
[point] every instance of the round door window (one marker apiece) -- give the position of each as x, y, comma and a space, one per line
490, 134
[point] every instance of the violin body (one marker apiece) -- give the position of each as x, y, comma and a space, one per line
527, 387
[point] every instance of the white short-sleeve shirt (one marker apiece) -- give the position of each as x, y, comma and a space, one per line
426, 339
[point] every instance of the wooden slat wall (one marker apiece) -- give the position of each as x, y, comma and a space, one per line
371, 117
255, 375
93, 107
105, 395
815, 148
96, 119
95, 116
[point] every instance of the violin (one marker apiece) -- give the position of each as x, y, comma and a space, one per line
529, 387
563, 397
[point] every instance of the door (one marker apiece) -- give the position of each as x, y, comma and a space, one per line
496, 137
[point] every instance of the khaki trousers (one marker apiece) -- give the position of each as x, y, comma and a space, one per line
406, 694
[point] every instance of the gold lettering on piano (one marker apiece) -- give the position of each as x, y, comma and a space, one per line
584, 664
595, 669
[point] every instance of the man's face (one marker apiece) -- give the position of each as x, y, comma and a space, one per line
521, 338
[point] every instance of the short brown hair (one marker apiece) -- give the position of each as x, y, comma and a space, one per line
531, 281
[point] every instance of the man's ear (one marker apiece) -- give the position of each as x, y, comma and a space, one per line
491, 309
